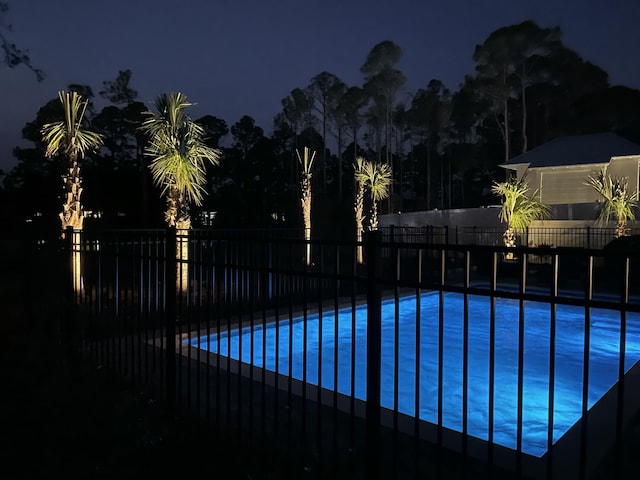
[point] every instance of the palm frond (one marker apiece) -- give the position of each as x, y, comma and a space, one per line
377, 178
618, 203
306, 161
68, 136
519, 208
179, 156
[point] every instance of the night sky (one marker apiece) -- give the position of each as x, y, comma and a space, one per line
241, 57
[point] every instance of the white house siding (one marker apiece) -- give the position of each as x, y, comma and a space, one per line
621, 167
566, 185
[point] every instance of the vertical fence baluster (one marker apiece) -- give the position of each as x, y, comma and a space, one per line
396, 352
170, 318
624, 301
552, 362
521, 332
584, 430
374, 305
465, 361
418, 360
440, 380
492, 358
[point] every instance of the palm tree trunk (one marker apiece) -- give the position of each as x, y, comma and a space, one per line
359, 208
76, 263
177, 215
306, 219
374, 216
72, 215
509, 237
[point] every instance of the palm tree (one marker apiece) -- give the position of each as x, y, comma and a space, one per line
358, 206
518, 208
377, 179
179, 156
69, 138
618, 202
306, 163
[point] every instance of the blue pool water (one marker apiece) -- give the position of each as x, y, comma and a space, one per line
603, 360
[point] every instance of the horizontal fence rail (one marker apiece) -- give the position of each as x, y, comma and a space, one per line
574, 237
427, 359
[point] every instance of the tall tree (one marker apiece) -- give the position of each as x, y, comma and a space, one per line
358, 203
350, 109
14, 56
214, 129
336, 99
556, 102
297, 111
118, 91
617, 201
383, 82
430, 112
530, 49
122, 162
524, 69
246, 134
377, 179
494, 82
70, 138
178, 155
179, 158
320, 90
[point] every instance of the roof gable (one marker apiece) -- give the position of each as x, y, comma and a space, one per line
577, 150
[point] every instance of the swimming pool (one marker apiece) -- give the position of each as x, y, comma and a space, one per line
350, 331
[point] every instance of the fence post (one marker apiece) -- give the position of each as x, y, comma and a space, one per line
374, 334
170, 317
588, 237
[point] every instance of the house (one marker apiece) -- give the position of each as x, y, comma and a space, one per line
558, 170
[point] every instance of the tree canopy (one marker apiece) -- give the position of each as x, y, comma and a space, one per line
442, 145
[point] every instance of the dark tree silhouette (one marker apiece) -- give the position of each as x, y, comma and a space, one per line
14, 56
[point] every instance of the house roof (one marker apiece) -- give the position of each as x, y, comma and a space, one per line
576, 150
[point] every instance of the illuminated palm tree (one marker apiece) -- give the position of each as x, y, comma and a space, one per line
69, 138
179, 157
306, 163
358, 206
617, 202
377, 179
518, 208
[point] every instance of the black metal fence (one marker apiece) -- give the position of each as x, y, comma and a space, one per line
394, 368
574, 237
